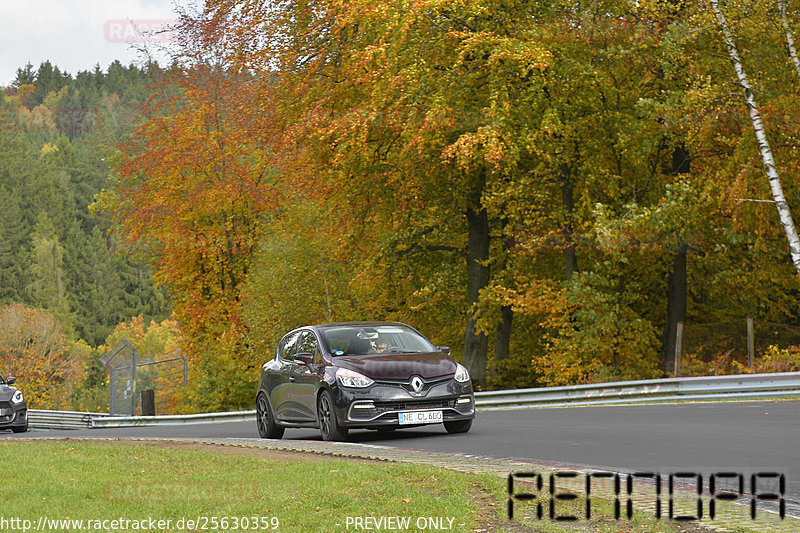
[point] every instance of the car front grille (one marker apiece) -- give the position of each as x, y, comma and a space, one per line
409, 405
389, 409
5, 405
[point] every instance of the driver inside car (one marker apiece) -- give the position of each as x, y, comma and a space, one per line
380, 344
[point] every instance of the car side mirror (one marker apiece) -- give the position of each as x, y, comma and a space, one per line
304, 358
10, 380
444, 349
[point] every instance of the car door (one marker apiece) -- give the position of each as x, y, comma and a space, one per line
284, 405
307, 377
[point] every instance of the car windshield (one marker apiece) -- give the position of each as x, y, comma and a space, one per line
374, 340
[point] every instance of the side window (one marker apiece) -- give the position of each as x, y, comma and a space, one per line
289, 346
281, 344
308, 344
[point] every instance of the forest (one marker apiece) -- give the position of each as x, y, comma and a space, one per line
550, 188
65, 282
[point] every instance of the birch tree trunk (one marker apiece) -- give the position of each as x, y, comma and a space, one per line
763, 144
789, 37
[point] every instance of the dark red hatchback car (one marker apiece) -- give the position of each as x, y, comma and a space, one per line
376, 375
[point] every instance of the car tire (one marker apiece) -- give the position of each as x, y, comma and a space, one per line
21, 429
329, 426
458, 426
267, 427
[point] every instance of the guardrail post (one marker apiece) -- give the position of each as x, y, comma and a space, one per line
134, 395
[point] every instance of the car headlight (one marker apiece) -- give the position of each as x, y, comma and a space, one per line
17, 398
350, 378
461, 373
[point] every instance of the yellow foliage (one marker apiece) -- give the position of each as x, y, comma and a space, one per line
48, 148
154, 341
33, 349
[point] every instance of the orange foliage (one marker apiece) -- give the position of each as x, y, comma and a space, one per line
33, 349
196, 182
154, 342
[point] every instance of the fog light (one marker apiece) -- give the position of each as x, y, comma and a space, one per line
464, 400
362, 410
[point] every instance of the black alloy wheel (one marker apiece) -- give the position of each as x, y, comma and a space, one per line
328, 425
267, 428
458, 426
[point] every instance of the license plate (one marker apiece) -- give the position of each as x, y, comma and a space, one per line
421, 417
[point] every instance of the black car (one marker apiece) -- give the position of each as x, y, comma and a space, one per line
376, 375
13, 409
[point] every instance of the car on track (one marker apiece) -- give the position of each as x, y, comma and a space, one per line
374, 375
13, 409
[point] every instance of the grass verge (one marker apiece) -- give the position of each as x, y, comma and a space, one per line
220, 488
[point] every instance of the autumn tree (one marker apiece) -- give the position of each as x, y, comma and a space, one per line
297, 277
556, 185
33, 349
723, 218
789, 36
764, 147
401, 108
194, 187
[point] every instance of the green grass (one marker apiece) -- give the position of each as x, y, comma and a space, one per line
88, 481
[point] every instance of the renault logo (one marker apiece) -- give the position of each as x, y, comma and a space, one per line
416, 384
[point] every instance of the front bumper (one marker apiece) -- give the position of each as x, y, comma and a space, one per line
13, 415
380, 405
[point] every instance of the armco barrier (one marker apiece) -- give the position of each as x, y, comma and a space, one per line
711, 388
171, 420
45, 419
707, 388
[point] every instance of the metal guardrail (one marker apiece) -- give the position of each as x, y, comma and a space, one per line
171, 420
46, 419
711, 388
707, 388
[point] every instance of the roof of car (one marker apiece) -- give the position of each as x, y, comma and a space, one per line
365, 323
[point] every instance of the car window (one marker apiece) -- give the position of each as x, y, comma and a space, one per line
374, 340
289, 346
308, 344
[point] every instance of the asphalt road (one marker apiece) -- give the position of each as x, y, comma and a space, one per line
742, 437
